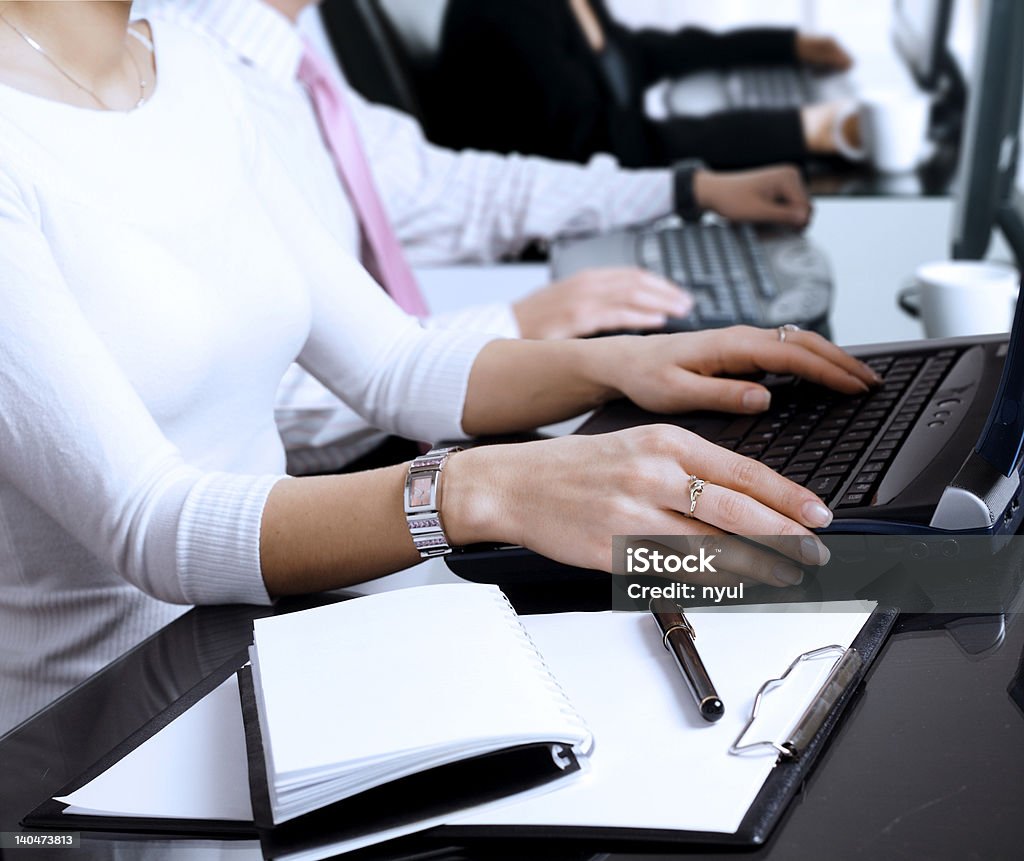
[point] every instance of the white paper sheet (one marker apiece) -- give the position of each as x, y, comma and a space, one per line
656, 763
194, 768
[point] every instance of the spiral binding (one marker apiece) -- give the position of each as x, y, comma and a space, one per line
567, 708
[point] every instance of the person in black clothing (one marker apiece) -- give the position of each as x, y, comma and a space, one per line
561, 78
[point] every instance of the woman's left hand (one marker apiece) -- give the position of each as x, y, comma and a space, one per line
675, 373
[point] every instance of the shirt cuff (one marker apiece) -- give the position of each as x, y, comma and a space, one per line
437, 388
218, 543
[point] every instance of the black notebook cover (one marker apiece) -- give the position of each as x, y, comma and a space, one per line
50, 814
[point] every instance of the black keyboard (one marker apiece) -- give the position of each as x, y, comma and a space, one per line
768, 87
723, 265
838, 446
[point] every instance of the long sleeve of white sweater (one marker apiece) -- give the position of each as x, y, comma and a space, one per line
158, 273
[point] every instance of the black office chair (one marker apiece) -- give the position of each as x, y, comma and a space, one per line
377, 52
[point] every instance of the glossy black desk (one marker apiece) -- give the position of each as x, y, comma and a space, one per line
837, 178
929, 762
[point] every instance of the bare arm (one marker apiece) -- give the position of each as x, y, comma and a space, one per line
567, 497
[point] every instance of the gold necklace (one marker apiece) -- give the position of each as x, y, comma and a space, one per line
32, 43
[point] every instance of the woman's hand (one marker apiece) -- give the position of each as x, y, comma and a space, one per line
601, 300
566, 498
676, 373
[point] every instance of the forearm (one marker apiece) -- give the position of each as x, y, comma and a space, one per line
329, 532
517, 385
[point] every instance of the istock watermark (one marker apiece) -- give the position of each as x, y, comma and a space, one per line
647, 560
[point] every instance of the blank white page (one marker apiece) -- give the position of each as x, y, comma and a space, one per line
656, 763
194, 768
409, 670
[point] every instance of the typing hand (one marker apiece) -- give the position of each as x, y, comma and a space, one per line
565, 498
675, 373
772, 194
823, 52
601, 300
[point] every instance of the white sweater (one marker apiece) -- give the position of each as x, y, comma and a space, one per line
158, 273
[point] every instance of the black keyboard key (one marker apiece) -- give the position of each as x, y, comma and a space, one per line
824, 486
774, 462
862, 487
850, 445
809, 454
852, 499
833, 469
751, 449
840, 457
865, 425
823, 439
780, 451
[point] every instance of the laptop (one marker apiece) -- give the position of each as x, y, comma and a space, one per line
919, 31
935, 453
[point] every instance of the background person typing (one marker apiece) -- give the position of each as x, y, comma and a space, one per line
561, 78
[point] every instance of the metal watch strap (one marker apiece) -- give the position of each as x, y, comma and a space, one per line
422, 502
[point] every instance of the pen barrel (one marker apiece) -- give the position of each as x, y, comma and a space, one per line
683, 649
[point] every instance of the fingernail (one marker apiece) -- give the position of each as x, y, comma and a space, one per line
788, 574
756, 400
813, 552
872, 373
683, 307
816, 514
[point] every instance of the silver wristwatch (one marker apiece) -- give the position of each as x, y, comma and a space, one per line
422, 502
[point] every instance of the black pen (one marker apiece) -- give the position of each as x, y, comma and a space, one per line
678, 636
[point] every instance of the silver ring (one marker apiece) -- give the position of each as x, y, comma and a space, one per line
696, 489
786, 327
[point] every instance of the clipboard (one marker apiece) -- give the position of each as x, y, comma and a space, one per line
761, 818
791, 771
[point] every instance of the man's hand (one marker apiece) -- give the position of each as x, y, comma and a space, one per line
771, 194
823, 52
601, 300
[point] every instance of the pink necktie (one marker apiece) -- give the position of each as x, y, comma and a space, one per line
382, 255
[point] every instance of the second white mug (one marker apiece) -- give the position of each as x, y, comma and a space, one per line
893, 126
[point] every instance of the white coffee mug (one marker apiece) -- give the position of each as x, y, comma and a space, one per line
962, 297
893, 125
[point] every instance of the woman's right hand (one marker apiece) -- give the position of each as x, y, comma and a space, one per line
565, 498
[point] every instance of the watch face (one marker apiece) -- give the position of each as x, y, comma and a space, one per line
419, 491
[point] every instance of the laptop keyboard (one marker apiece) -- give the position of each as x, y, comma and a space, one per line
838, 446
768, 87
723, 265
